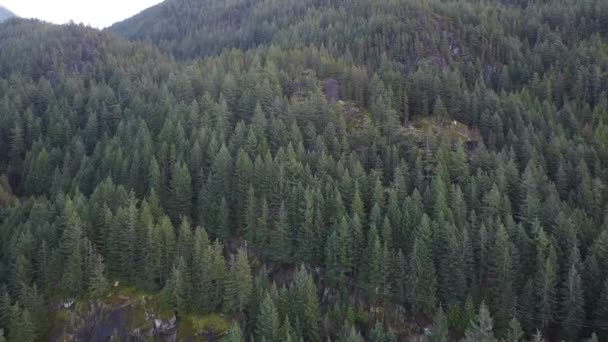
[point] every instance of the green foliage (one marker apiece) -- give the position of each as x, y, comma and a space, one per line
239, 283
267, 327
481, 328
439, 330
394, 152
515, 332
234, 334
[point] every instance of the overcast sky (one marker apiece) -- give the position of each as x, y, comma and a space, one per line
97, 13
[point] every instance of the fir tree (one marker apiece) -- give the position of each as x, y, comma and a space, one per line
439, 330
239, 283
515, 332
481, 329
268, 325
234, 334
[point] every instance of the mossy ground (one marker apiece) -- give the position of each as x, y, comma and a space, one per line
196, 325
140, 303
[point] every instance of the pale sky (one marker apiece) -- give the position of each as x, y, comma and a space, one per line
97, 13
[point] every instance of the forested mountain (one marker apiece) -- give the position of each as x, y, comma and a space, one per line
308, 171
5, 13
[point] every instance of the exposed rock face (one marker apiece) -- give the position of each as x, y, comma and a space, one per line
124, 318
332, 90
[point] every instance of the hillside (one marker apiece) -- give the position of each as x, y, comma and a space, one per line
307, 170
5, 14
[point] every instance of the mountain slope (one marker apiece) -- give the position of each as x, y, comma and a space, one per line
406, 30
5, 14
311, 170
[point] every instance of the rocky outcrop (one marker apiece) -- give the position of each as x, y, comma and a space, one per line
120, 317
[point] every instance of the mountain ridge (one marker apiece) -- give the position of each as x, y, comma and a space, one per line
5, 13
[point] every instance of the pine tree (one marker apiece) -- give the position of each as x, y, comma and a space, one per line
21, 327
306, 236
164, 237
351, 334
239, 283
545, 279
234, 334
279, 238
5, 306
201, 282
421, 282
180, 202
345, 247
126, 224
184, 244
515, 332
593, 338
439, 330
72, 276
538, 337
439, 110
573, 303
176, 291
217, 275
98, 284
500, 279
222, 224
601, 311
380, 334
373, 265
268, 325
251, 218
481, 329
70, 247
305, 298
242, 178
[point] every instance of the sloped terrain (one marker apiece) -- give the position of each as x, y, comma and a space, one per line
310, 170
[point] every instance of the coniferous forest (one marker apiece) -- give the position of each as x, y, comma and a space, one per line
307, 170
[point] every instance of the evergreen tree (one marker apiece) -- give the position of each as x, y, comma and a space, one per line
279, 242
201, 280
439, 330
5, 306
234, 334
421, 281
351, 334
601, 311
239, 283
545, 280
439, 109
217, 275
515, 332
500, 279
573, 309
71, 248
98, 284
180, 202
306, 300
268, 325
21, 327
176, 292
481, 329
380, 334
306, 237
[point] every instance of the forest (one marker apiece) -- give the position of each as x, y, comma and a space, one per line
309, 170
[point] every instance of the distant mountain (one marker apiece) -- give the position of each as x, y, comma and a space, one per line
5, 14
199, 28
